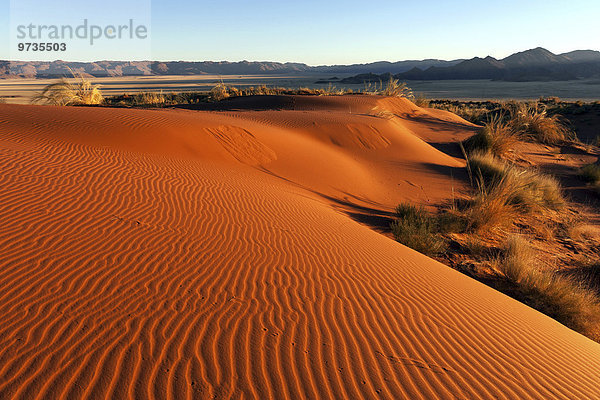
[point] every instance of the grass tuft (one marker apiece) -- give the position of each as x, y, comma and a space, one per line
395, 88
491, 206
152, 99
590, 173
496, 137
65, 93
532, 121
416, 229
525, 189
421, 101
556, 296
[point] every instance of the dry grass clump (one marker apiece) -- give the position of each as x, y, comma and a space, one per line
416, 229
395, 88
65, 93
382, 113
421, 101
223, 91
532, 121
471, 113
491, 206
590, 173
2, 100
496, 137
155, 99
558, 297
152, 99
220, 92
525, 189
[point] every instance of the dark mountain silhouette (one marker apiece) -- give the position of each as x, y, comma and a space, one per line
36, 69
531, 65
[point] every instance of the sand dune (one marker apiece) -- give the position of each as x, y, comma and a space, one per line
214, 254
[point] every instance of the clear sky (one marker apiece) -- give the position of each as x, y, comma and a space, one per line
340, 32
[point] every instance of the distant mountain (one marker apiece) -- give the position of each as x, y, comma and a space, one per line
381, 67
36, 69
538, 57
531, 65
582, 55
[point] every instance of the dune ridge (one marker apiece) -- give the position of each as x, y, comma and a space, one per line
142, 259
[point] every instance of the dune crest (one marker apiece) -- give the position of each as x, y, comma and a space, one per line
196, 254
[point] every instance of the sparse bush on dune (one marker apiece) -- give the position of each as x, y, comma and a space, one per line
65, 93
2, 100
422, 231
395, 88
471, 113
421, 101
490, 206
532, 121
558, 297
496, 137
416, 229
525, 189
590, 173
223, 91
153, 99
219, 92
382, 113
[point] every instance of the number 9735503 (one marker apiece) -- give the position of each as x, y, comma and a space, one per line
42, 46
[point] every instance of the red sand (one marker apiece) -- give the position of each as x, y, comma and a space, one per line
194, 254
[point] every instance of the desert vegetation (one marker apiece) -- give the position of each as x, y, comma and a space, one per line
557, 296
591, 174
532, 121
497, 137
68, 93
539, 121
422, 231
489, 232
221, 91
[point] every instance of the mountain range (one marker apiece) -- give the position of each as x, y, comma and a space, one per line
40, 69
536, 64
531, 65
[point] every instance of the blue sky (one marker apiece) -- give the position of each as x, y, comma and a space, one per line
328, 32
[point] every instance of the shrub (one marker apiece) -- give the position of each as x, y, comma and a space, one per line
590, 173
219, 92
149, 99
395, 88
416, 229
421, 101
490, 206
533, 122
222, 91
558, 297
496, 137
471, 113
523, 188
65, 93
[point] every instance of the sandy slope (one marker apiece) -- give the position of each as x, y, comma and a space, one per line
195, 254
